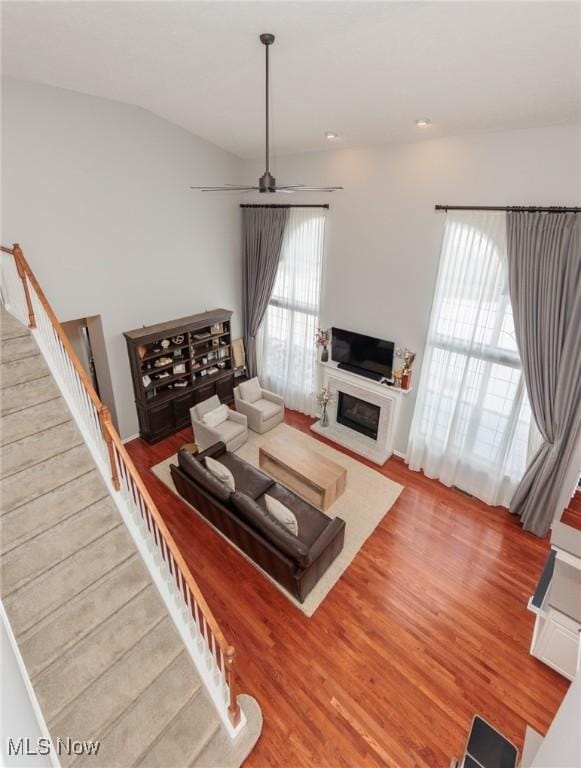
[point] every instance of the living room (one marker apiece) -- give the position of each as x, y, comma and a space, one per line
361, 242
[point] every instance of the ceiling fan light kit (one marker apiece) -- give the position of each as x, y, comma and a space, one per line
267, 182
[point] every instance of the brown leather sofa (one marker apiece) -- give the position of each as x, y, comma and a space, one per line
295, 562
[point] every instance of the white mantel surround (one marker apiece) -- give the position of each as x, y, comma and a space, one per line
387, 398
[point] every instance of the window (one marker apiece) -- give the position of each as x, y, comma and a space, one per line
288, 360
472, 418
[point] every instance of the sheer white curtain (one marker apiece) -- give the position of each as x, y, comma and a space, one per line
471, 421
288, 356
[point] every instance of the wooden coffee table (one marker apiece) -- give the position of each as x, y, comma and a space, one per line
317, 479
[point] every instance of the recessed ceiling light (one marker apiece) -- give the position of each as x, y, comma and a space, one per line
422, 122
331, 135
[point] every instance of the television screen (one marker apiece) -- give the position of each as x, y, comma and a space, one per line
359, 351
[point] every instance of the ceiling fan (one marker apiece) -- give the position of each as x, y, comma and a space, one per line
267, 182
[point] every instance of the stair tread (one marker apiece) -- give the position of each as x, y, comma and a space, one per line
34, 419
150, 715
16, 372
40, 597
10, 327
30, 393
31, 450
88, 659
44, 512
91, 715
36, 556
185, 737
70, 623
17, 348
43, 478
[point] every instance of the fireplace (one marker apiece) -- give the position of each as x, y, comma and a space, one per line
358, 414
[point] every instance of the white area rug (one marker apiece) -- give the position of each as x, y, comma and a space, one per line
366, 500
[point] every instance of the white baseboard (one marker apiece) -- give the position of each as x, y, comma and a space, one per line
128, 439
400, 455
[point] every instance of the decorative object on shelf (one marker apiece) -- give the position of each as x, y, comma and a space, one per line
181, 384
162, 375
165, 343
179, 339
397, 378
179, 368
408, 358
146, 380
162, 361
141, 351
324, 397
217, 328
322, 339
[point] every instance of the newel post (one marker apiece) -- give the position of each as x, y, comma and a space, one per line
19, 261
106, 427
233, 706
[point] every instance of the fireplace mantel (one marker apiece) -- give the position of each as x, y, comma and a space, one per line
388, 399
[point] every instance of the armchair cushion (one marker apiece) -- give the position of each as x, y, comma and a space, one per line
216, 417
193, 467
205, 407
267, 408
230, 430
250, 390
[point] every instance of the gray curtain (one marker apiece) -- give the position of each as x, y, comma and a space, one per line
544, 258
263, 230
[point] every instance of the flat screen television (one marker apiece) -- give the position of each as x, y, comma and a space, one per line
365, 353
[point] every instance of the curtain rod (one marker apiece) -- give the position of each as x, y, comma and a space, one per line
527, 209
283, 205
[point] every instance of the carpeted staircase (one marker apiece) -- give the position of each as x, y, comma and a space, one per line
104, 658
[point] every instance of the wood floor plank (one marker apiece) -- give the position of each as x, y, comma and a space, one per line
426, 627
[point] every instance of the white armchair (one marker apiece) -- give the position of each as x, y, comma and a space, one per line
263, 409
233, 432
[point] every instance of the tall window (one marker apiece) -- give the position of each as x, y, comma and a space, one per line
288, 360
472, 418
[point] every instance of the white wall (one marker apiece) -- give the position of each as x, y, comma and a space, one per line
96, 192
384, 235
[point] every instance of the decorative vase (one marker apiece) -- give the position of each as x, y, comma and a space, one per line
325, 355
324, 422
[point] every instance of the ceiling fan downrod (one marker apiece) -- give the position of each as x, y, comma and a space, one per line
267, 182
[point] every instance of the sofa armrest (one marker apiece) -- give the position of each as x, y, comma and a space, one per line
213, 451
273, 397
204, 435
332, 531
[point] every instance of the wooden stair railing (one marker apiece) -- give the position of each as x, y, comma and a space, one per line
126, 480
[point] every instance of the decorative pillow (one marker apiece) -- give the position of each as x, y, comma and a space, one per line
250, 390
253, 514
281, 513
216, 417
221, 472
205, 479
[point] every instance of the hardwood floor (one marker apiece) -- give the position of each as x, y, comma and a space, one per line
427, 627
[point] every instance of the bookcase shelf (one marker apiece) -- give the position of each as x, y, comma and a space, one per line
162, 406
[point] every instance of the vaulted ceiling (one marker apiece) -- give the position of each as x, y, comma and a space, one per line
363, 69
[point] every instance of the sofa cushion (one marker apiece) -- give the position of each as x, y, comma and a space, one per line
281, 513
250, 390
311, 521
247, 478
280, 538
205, 479
267, 408
216, 417
221, 472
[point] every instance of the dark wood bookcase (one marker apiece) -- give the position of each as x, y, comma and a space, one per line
177, 364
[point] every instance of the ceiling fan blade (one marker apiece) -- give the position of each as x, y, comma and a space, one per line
226, 189
289, 186
308, 189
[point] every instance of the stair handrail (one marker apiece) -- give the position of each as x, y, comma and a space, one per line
125, 475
